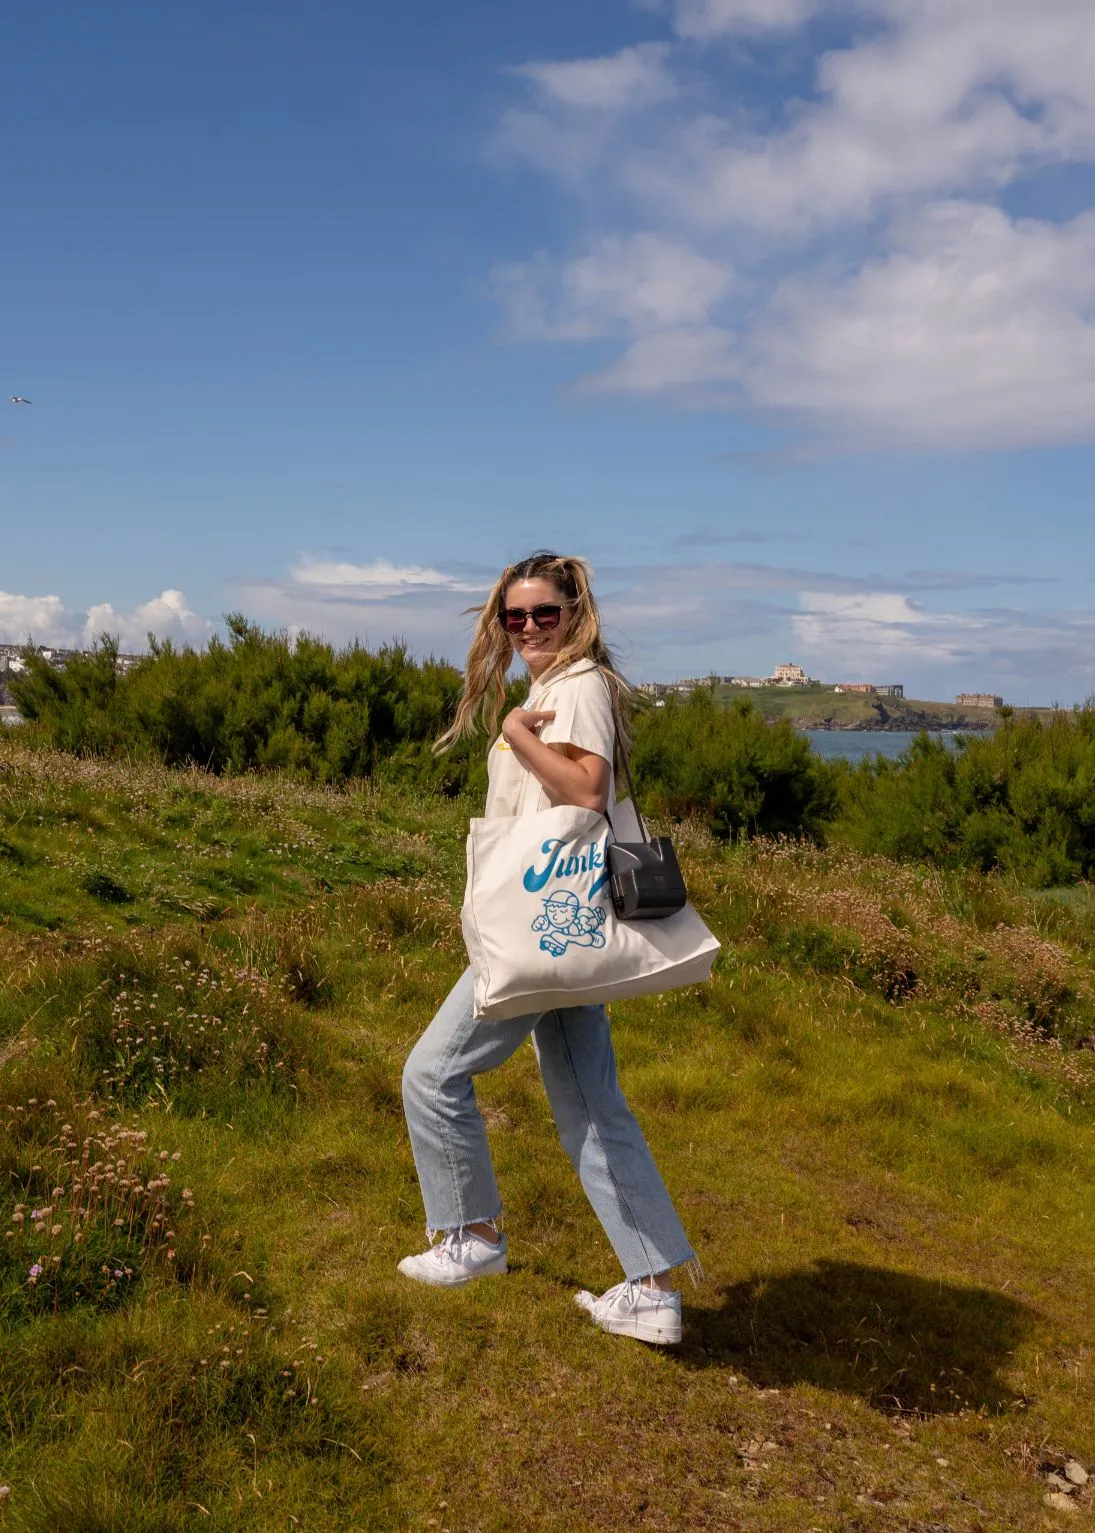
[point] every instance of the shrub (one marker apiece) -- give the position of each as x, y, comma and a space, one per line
732, 769
256, 701
1022, 800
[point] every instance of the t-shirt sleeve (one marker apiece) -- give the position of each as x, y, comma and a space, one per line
583, 715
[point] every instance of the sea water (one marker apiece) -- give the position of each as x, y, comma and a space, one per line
854, 744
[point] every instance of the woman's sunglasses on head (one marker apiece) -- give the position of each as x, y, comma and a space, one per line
545, 614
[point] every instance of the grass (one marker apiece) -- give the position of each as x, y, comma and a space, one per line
878, 1122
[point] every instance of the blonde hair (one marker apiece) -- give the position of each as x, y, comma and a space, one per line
491, 650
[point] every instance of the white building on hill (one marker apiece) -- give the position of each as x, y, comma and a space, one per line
789, 675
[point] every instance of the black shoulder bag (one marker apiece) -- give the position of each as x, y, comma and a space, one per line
646, 879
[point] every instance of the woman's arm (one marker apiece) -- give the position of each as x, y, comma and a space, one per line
576, 777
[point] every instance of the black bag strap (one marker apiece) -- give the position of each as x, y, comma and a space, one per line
623, 758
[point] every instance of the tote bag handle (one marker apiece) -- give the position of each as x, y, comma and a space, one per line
623, 758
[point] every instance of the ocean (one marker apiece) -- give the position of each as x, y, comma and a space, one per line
854, 744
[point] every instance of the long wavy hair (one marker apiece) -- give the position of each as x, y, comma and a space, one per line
491, 651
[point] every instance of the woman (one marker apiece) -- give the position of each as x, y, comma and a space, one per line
557, 749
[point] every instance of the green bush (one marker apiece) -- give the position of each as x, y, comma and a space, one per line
732, 769
256, 701
1021, 799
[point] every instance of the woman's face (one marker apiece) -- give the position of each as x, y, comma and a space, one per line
538, 646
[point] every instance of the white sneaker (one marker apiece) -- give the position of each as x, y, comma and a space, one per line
461, 1256
631, 1309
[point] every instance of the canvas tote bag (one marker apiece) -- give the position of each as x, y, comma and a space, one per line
540, 927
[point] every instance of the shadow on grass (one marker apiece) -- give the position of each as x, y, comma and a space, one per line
899, 1342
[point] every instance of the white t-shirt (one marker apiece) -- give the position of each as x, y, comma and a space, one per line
583, 717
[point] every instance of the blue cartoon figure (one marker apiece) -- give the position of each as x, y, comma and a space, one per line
566, 923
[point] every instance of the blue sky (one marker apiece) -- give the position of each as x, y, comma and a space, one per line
780, 311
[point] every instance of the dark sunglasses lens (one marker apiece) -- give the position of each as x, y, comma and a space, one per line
544, 616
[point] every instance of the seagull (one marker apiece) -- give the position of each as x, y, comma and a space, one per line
17, 399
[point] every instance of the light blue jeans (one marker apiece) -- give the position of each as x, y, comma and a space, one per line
597, 1128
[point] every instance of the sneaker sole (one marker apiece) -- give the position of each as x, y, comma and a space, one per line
660, 1335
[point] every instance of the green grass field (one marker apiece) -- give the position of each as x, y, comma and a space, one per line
878, 1122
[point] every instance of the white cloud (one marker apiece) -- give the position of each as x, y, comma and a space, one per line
841, 631
45, 620
858, 275
376, 603
41, 619
956, 327
704, 19
978, 331
944, 96
623, 285
680, 361
975, 330
168, 616
376, 581
579, 109
625, 81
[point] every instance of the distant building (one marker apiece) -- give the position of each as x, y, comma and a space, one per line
789, 675
978, 700
876, 689
11, 658
747, 681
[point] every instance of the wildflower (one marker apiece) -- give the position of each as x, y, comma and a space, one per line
118, 1272
35, 1272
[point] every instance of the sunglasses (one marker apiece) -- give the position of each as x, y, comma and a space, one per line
545, 614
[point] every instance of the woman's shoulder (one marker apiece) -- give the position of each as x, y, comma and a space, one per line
583, 672
582, 678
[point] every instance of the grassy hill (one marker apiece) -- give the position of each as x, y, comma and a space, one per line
823, 708
878, 1121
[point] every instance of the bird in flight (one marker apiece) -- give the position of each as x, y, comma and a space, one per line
17, 399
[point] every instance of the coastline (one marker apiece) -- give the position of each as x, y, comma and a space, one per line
822, 708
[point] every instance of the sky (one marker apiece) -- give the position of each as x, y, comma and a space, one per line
780, 312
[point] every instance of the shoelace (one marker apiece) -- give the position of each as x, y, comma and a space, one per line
451, 1248
629, 1299
625, 1296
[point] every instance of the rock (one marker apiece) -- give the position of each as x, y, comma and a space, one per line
1058, 1482
1075, 1473
1059, 1501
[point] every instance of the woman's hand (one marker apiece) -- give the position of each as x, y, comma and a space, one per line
570, 775
528, 719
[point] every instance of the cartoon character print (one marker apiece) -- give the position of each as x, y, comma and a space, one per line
566, 923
